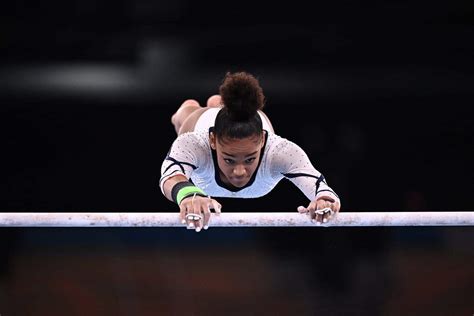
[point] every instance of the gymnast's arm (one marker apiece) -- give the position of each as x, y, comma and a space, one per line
291, 162
183, 158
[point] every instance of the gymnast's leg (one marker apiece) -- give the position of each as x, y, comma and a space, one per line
189, 112
184, 111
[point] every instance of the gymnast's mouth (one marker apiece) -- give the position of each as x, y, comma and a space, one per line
239, 182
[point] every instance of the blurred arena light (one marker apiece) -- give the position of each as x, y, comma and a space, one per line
71, 79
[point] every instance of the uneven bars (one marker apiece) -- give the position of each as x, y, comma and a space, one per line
270, 219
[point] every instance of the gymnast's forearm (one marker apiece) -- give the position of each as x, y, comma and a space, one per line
170, 183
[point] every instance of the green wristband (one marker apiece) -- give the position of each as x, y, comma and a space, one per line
188, 191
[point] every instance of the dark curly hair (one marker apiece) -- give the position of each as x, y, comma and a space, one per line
242, 97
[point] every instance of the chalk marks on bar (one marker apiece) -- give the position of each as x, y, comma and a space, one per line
233, 219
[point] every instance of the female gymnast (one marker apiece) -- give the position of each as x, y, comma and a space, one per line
229, 149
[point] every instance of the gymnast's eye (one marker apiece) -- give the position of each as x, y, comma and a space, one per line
250, 160
229, 161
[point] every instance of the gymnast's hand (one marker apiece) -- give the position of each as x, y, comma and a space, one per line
321, 210
195, 211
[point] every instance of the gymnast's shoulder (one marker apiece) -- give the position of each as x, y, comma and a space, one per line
197, 141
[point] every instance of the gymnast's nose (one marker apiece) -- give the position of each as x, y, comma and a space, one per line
239, 171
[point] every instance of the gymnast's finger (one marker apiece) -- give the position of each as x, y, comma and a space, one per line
182, 213
324, 214
302, 210
206, 216
216, 206
197, 211
311, 211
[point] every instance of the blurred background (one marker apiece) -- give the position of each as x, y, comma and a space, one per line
378, 93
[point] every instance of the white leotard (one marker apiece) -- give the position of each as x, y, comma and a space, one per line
191, 155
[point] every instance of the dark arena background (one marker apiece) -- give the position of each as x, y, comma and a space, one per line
378, 93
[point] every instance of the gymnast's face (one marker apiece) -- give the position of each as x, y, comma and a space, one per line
237, 158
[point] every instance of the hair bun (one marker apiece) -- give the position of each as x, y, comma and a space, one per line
241, 95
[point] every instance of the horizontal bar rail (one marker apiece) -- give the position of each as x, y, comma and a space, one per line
267, 219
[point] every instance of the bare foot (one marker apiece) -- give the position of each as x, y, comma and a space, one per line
214, 101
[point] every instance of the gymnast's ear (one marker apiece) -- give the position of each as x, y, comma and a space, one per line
262, 139
212, 140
